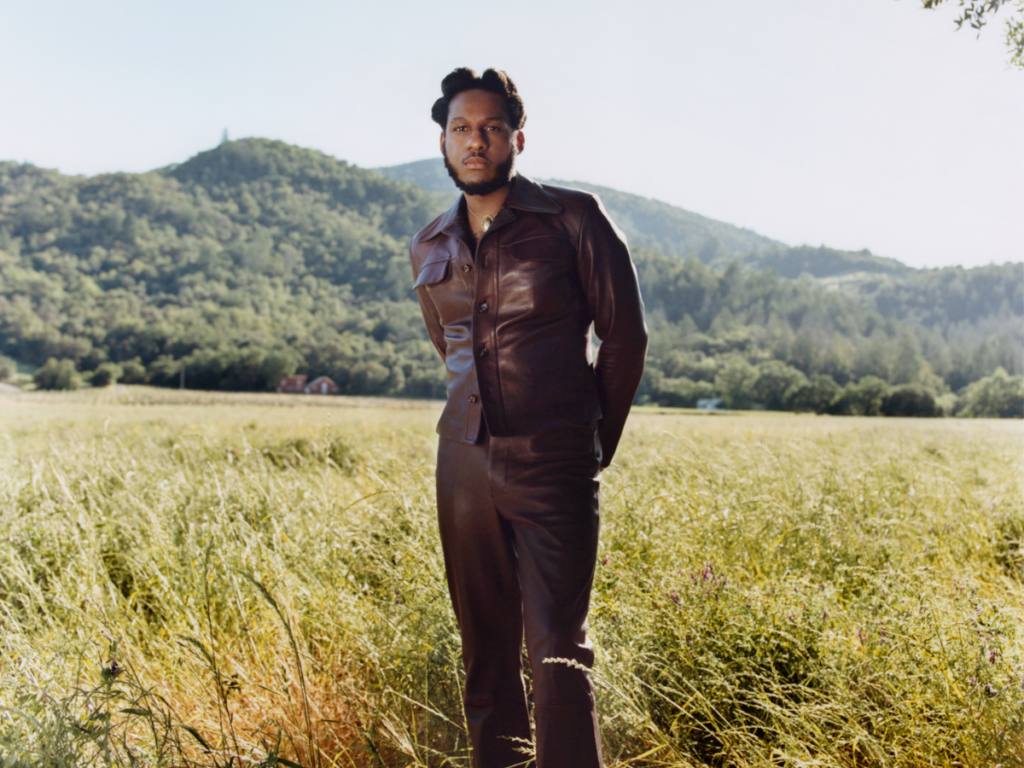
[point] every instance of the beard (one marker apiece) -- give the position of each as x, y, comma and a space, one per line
502, 175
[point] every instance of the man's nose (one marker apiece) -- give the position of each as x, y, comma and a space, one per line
478, 140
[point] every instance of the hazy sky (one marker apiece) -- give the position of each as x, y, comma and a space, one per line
851, 123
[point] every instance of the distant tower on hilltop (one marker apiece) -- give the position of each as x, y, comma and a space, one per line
224, 137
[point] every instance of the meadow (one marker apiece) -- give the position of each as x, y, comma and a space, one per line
198, 579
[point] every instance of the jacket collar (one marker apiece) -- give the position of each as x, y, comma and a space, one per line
525, 195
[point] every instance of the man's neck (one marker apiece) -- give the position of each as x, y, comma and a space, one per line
482, 209
487, 205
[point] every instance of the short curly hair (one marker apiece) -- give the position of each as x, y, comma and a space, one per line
494, 80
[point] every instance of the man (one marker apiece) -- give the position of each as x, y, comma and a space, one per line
510, 280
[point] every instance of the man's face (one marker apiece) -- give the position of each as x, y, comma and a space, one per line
478, 144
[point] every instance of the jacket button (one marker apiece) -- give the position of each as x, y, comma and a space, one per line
483, 306
473, 398
466, 267
483, 352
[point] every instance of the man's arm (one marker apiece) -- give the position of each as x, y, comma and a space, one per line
613, 295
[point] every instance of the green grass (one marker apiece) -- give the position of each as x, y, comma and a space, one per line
194, 579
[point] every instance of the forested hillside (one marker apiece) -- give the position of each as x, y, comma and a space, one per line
258, 258
248, 261
757, 339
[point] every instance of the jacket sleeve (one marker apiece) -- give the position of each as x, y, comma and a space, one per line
430, 317
613, 295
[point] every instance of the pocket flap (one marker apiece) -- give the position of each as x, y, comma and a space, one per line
431, 273
547, 248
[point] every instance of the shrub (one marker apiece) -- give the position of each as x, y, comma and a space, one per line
682, 392
863, 398
57, 374
164, 371
910, 400
133, 372
106, 374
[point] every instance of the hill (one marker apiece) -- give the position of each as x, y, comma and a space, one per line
648, 223
257, 259
674, 231
248, 261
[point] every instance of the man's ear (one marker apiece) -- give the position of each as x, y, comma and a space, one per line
520, 141
442, 144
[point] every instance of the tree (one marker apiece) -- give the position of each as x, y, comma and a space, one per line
837, 360
863, 398
735, 382
976, 14
908, 361
775, 383
997, 396
803, 353
816, 396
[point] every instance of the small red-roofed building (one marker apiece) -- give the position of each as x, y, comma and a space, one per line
322, 385
295, 385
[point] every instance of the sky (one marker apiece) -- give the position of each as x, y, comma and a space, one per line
847, 123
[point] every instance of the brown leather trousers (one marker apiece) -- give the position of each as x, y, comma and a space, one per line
519, 525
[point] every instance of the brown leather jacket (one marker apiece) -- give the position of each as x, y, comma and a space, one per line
512, 320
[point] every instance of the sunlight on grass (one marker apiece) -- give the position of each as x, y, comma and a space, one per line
195, 579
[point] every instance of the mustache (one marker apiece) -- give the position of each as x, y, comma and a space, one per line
503, 174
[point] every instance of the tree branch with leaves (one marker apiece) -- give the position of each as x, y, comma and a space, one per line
977, 13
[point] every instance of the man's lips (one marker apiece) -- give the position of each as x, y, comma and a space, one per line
475, 162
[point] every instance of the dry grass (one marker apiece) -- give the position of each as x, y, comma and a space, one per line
196, 579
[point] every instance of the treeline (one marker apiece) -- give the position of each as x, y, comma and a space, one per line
758, 340
258, 259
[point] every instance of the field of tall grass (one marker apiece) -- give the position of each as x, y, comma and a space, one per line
216, 580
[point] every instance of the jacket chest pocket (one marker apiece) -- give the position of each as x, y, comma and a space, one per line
540, 277
448, 292
432, 273
550, 249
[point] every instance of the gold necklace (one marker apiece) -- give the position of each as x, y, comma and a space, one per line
485, 221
